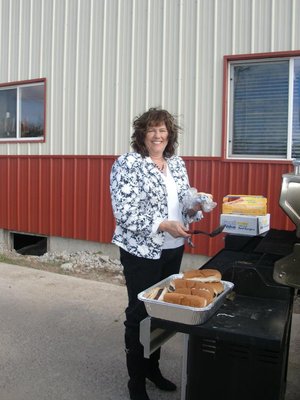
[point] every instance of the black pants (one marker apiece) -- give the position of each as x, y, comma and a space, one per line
141, 273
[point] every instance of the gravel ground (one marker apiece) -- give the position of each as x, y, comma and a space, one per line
82, 264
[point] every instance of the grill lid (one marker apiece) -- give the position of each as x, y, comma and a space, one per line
287, 270
290, 195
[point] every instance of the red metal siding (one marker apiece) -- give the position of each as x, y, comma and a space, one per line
68, 196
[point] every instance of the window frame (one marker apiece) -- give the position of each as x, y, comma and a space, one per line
19, 84
227, 110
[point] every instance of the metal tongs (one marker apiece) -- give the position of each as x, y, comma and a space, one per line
214, 233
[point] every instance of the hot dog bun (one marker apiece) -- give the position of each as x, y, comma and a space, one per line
183, 290
203, 275
183, 284
203, 293
185, 300
217, 287
206, 292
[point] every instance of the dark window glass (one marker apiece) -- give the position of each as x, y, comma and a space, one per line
8, 112
260, 113
32, 111
296, 111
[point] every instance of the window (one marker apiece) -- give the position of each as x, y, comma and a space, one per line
264, 109
22, 110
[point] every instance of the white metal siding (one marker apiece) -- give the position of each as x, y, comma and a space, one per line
108, 60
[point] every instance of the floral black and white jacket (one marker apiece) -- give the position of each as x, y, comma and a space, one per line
139, 202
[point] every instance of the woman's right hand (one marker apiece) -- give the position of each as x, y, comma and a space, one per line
174, 228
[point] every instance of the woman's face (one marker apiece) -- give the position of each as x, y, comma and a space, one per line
156, 139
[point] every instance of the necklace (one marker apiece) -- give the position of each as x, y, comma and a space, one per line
160, 168
160, 164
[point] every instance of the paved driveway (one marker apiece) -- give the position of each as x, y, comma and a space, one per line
61, 338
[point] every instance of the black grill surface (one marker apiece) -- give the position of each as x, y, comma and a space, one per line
243, 347
278, 242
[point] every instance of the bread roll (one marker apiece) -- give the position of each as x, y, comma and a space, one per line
185, 300
217, 287
203, 275
203, 293
204, 285
184, 286
184, 290
182, 283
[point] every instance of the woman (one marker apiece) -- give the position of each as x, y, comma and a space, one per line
148, 189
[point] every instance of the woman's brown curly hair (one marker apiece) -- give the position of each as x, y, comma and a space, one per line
154, 117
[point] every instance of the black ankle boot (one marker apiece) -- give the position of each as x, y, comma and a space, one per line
137, 391
161, 382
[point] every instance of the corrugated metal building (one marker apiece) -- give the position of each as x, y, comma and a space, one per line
102, 62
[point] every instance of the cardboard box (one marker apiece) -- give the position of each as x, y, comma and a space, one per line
244, 204
250, 225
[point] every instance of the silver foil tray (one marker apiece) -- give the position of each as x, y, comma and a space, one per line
182, 314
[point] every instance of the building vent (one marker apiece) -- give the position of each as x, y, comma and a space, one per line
29, 244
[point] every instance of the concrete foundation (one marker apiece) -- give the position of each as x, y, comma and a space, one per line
59, 245
5, 239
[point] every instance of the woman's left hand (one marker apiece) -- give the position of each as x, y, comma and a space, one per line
174, 228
